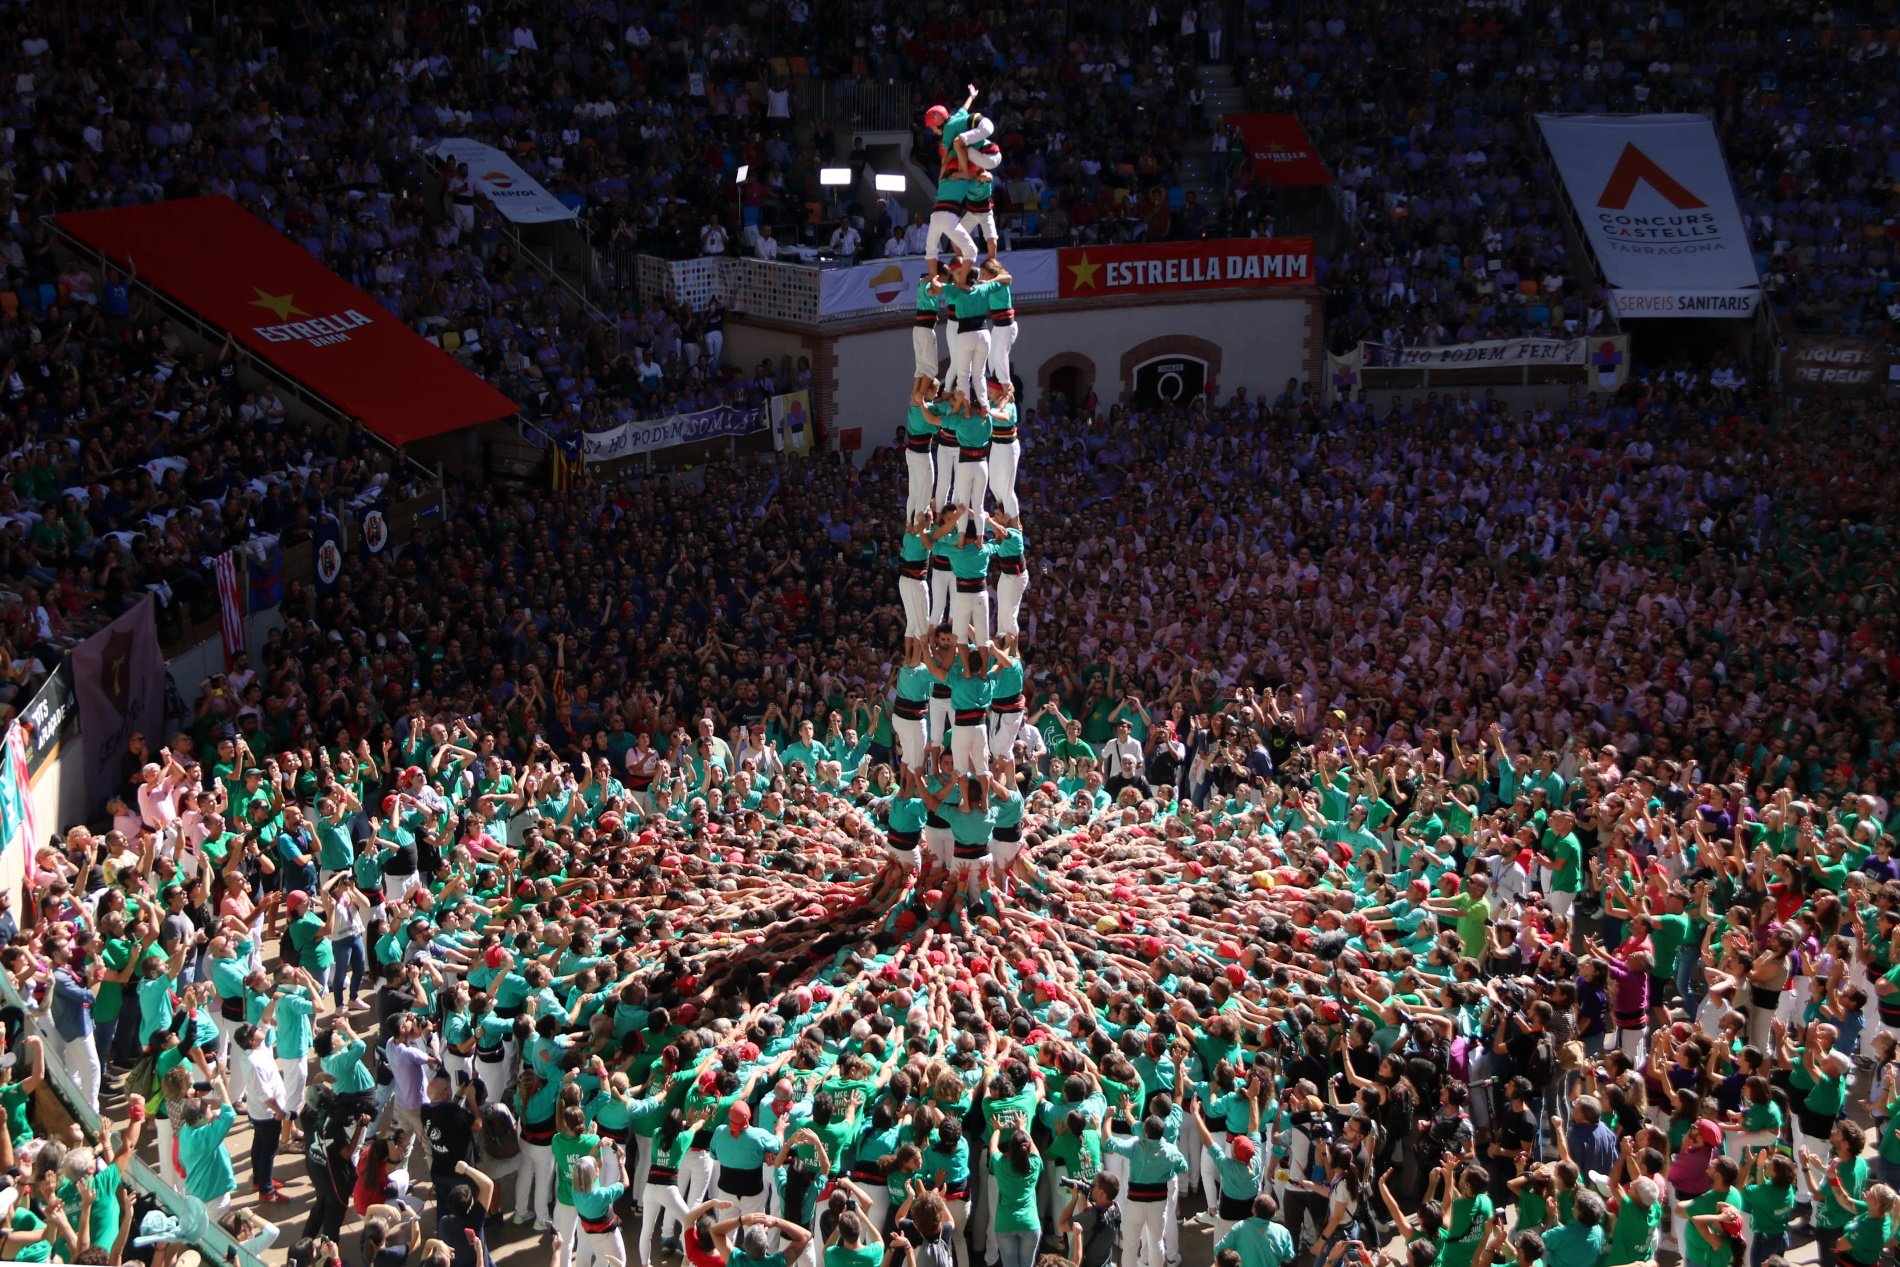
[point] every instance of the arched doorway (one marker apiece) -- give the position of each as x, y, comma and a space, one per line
1066, 384
1068, 374
1170, 380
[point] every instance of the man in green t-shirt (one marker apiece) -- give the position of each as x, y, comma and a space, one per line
1471, 912
1562, 855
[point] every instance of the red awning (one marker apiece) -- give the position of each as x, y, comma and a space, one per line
241, 275
1280, 151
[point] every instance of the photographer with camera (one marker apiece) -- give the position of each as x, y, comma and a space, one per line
1094, 1220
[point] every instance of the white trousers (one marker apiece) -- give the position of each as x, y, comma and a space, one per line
567, 1226
658, 1201
944, 457
295, 1074
969, 363
696, 1176
917, 489
970, 608
940, 714
910, 741
534, 1186
971, 482
972, 137
1793, 1000
82, 1061
1002, 339
602, 1249
1209, 1175
1003, 461
1009, 601
227, 1029
941, 846
970, 749
948, 224
923, 351
454, 1062
167, 1167
715, 341
1633, 1041
1144, 1231
495, 1074
915, 595
640, 1153
959, 1220
1171, 1222
941, 585
1004, 727
973, 220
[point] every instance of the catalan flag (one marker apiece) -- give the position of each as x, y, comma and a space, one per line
567, 463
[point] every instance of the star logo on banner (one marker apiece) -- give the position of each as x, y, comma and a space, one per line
1082, 272
282, 305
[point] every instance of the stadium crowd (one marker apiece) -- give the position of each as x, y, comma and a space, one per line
619, 846
1425, 813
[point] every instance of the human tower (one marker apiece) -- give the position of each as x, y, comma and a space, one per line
957, 819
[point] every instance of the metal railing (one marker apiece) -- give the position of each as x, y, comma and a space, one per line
878, 107
214, 1245
1578, 237
545, 265
857, 105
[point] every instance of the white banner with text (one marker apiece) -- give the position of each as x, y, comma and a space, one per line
1654, 197
498, 178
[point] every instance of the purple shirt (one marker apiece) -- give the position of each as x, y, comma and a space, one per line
410, 1066
1629, 992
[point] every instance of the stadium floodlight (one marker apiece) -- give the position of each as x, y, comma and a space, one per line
890, 183
834, 175
739, 177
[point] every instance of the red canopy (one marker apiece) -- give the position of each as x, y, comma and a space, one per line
241, 275
1280, 151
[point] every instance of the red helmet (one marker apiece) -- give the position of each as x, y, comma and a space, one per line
936, 117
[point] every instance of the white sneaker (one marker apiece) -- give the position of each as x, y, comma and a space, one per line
542, 1225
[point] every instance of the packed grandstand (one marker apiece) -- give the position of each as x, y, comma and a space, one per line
1438, 820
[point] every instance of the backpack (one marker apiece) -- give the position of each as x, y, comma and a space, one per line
1541, 1066
496, 1133
1460, 1063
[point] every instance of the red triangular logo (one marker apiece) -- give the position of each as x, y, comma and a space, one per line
1633, 165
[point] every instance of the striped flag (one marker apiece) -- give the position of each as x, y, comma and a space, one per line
16, 801
568, 464
230, 605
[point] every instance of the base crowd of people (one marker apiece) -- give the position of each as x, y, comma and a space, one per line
1424, 832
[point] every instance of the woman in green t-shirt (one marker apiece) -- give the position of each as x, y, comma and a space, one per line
1016, 1166
1867, 1233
